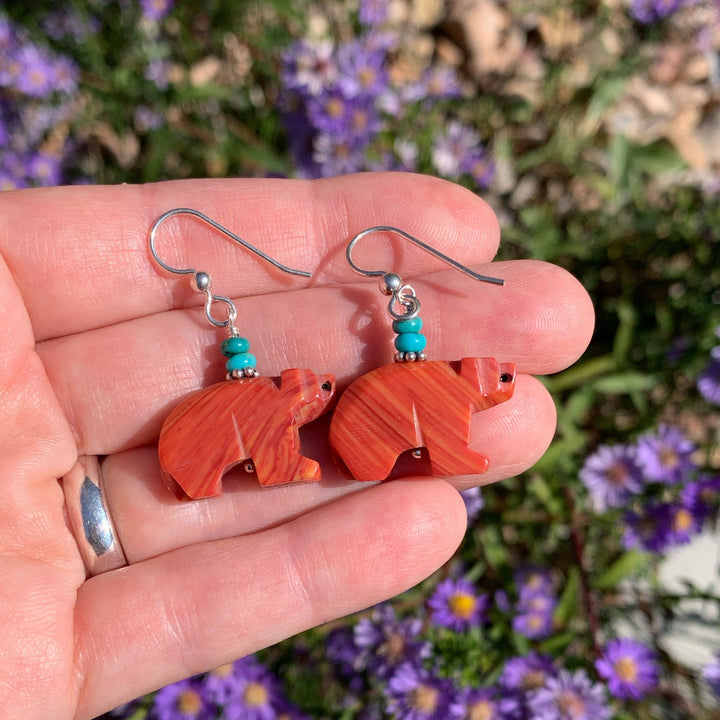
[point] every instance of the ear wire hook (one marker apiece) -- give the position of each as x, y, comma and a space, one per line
419, 243
403, 296
201, 279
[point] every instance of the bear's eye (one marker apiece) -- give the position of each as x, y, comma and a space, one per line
326, 386
506, 378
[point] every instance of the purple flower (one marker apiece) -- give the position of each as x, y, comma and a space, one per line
66, 75
387, 642
341, 650
484, 703
702, 495
156, 9
474, 502
36, 72
569, 697
10, 182
453, 147
528, 673
184, 700
158, 72
533, 624
685, 522
456, 605
649, 529
531, 581
711, 674
479, 166
708, 383
44, 169
255, 692
415, 694
373, 12
350, 120
629, 667
309, 66
612, 476
650, 11
361, 69
336, 157
440, 82
665, 456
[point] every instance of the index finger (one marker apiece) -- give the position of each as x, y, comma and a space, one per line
80, 254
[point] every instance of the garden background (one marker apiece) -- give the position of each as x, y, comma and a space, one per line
593, 130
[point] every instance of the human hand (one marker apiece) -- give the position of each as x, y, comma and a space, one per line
98, 345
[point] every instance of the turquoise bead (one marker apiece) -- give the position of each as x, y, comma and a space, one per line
410, 342
241, 361
234, 346
407, 326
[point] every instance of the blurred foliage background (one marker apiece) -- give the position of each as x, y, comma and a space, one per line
593, 130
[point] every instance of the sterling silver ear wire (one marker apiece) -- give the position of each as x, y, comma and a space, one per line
201, 280
391, 283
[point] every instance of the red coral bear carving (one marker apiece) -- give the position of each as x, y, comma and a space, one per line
251, 419
405, 406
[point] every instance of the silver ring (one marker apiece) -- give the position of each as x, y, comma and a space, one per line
90, 519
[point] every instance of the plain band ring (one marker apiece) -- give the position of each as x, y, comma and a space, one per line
90, 519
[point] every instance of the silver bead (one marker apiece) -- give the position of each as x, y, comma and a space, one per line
399, 357
201, 281
390, 283
410, 356
421, 356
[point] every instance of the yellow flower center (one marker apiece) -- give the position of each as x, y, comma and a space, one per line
367, 77
535, 622
335, 107
571, 704
626, 668
424, 699
617, 474
669, 458
255, 694
533, 680
462, 605
481, 710
223, 671
189, 702
682, 520
394, 648
360, 120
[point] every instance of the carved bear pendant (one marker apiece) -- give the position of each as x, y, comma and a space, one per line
250, 420
409, 406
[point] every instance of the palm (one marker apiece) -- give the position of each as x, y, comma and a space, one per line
94, 354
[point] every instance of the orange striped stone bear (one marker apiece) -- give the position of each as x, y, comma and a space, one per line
249, 420
412, 405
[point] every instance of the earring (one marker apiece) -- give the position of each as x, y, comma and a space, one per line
415, 405
246, 419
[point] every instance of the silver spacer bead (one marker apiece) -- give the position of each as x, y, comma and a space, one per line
201, 281
410, 356
390, 283
399, 357
250, 372
421, 356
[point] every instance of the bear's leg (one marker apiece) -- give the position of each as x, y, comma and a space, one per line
452, 456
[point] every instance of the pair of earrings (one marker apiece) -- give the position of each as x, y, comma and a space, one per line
404, 408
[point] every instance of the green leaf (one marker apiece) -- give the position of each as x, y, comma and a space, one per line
625, 383
557, 642
567, 606
626, 565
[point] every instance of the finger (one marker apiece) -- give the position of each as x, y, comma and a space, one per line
541, 319
150, 521
199, 607
81, 259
